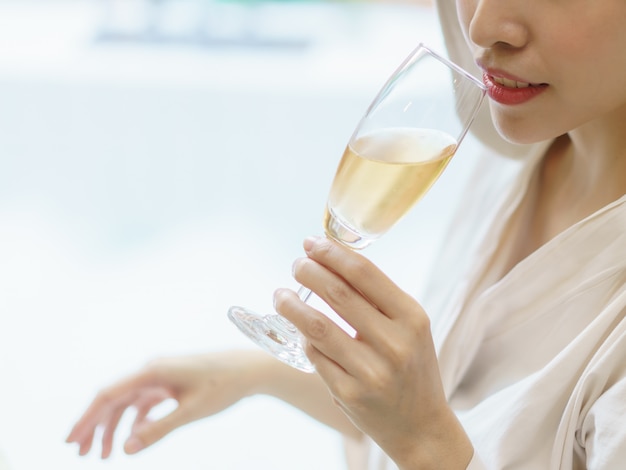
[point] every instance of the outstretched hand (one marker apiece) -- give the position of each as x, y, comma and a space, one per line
385, 379
201, 385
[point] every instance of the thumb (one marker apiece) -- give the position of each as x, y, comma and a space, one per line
152, 431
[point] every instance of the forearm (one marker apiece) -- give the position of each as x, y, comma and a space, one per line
307, 392
446, 445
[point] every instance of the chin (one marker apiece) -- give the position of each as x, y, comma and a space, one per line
523, 130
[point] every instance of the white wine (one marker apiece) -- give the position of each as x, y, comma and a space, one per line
381, 175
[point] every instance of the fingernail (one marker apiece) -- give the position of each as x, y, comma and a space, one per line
133, 445
309, 242
278, 292
293, 268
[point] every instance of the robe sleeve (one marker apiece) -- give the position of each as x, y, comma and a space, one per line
603, 431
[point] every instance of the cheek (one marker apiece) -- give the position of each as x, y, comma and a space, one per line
589, 60
589, 74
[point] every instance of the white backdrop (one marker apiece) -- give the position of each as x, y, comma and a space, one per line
145, 188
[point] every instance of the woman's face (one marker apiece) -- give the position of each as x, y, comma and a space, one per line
551, 66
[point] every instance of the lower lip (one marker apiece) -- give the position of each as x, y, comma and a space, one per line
510, 96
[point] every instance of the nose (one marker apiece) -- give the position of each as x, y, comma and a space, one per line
498, 23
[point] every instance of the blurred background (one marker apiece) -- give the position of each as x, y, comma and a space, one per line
159, 161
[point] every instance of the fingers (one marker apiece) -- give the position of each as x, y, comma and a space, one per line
106, 410
85, 443
149, 432
147, 402
388, 321
362, 275
330, 342
109, 431
342, 298
120, 394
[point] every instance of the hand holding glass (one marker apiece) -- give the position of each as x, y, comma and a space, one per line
398, 150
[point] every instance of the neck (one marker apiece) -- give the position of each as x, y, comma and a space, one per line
582, 172
587, 167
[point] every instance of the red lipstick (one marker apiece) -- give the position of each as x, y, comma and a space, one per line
506, 90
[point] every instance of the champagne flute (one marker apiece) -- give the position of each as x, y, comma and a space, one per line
398, 150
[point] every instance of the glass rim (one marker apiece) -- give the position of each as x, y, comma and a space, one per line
420, 51
447, 62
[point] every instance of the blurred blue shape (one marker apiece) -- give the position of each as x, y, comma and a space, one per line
199, 23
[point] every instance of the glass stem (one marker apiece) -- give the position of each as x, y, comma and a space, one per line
304, 293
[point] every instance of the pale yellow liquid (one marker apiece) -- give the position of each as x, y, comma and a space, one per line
383, 174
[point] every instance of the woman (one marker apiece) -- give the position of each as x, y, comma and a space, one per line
523, 365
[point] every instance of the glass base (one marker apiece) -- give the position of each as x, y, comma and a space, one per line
274, 334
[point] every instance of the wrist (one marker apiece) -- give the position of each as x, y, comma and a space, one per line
445, 446
272, 377
257, 371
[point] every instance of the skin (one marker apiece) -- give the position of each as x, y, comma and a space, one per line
372, 377
202, 385
385, 381
576, 48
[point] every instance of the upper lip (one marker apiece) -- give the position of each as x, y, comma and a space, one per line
506, 78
